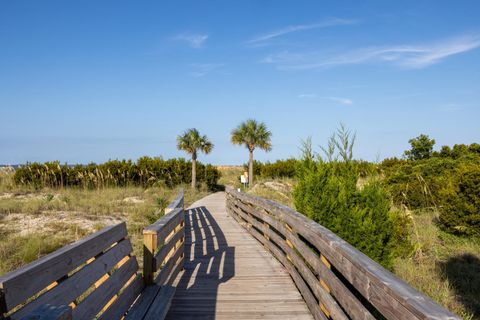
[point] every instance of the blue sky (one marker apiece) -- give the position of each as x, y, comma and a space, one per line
96, 80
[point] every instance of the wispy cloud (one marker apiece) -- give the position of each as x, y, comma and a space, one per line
307, 96
194, 40
202, 69
340, 100
406, 56
301, 27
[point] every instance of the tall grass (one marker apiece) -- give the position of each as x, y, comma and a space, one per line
145, 172
56, 217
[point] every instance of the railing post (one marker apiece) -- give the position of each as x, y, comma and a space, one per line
149, 247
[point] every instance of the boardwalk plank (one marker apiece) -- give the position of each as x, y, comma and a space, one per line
228, 274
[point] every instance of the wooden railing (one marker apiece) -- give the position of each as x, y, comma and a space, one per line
336, 280
94, 277
164, 244
97, 277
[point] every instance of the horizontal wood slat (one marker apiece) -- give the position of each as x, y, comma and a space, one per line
25, 282
167, 269
118, 309
71, 288
390, 295
167, 247
165, 225
98, 298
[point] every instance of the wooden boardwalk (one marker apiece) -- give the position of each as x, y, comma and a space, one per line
228, 274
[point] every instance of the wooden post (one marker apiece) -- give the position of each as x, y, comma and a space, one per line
149, 247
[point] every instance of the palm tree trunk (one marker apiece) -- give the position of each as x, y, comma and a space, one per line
194, 173
250, 169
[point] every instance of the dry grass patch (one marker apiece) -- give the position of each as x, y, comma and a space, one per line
34, 223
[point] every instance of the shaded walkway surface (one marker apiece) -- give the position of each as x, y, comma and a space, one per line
228, 274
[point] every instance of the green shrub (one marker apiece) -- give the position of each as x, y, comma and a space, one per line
461, 209
448, 181
278, 169
328, 193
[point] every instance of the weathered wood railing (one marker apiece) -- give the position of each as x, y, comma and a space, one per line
164, 243
336, 280
97, 277
94, 277
163, 251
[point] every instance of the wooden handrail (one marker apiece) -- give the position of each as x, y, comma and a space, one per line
178, 202
335, 279
101, 264
164, 243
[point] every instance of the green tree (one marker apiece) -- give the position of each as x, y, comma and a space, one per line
421, 148
191, 141
252, 134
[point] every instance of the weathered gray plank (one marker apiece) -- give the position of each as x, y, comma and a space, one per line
161, 304
176, 203
17, 286
118, 308
95, 301
49, 312
168, 267
71, 288
166, 247
143, 303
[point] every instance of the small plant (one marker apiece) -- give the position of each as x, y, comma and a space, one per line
152, 215
49, 197
162, 203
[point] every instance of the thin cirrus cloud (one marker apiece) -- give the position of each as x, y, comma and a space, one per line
339, 100
202, 69
307, 95
301, 27
405, 56
194, 40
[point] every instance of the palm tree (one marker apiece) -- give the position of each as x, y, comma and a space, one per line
252, 134
191, 141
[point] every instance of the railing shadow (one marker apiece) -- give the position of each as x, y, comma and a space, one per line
463, 273
209, 261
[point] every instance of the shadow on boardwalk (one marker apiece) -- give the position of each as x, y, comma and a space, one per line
209, 262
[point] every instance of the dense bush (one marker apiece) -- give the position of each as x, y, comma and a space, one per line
328, 193
278, 169
145, 172
458, 151
447, 181
461, 208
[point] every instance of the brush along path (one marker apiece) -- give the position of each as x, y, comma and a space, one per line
228, 274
